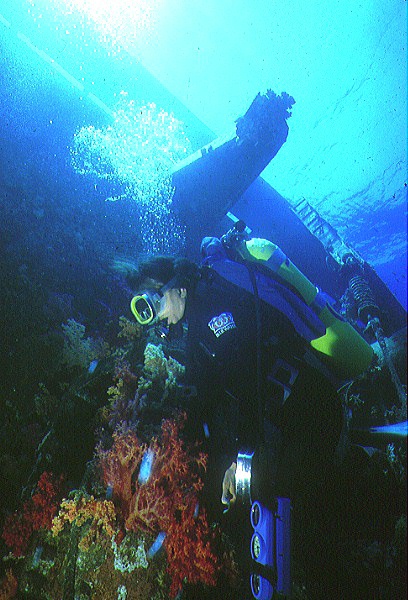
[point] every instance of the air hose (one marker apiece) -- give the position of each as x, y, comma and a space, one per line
369, 313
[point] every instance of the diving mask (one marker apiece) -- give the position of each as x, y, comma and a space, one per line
146, 306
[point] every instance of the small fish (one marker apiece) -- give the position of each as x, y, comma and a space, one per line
157, 544
206, 430
146, 466
109, 491
93, 366
37, 556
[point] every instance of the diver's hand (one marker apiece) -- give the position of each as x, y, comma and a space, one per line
228, 486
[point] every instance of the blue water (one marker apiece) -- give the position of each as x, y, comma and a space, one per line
65, 68
91, 125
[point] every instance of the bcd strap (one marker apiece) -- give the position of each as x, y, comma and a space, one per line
284, 376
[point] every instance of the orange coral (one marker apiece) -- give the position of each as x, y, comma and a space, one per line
166, 500
174, 477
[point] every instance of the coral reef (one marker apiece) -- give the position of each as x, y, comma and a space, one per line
154, 386
130, 553
91, 557
124, 399
80, 351
166, 500
96, 572
136, 528
190, 555
129, 330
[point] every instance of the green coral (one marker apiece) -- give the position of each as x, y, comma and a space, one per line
116, 391
90, 559
122, 592
78, 350
396, 457
130, 554
159, 370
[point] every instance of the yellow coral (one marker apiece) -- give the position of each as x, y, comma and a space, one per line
100, 514
129, 330
155, 363
103, 415
116, 392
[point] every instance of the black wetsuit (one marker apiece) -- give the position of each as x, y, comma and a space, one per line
296, 437
298, 403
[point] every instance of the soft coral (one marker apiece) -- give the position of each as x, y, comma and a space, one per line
168, 501
37, 513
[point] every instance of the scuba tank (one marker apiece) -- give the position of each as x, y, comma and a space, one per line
341, 347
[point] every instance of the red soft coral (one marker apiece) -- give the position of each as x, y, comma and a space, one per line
167, 501
37, 513
189, 546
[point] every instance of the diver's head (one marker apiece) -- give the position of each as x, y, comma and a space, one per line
164, 283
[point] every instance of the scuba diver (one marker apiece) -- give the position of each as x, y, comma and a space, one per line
266, 353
